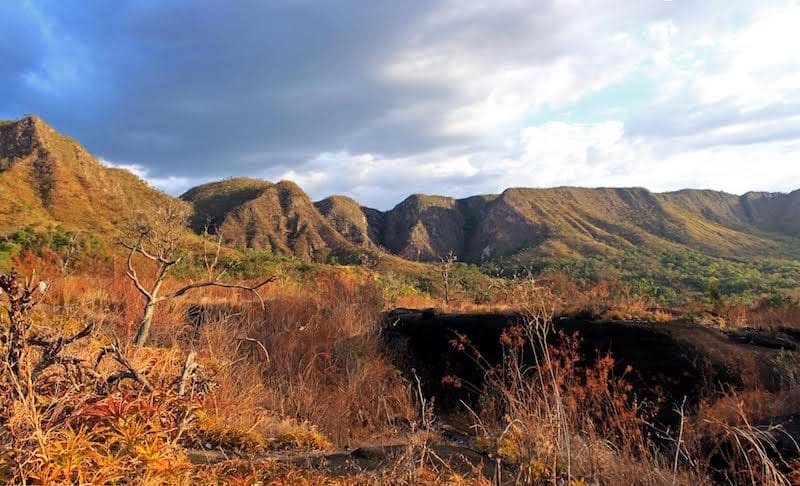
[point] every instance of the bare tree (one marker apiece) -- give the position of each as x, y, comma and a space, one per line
66, 257
159, 239
18, 297
445, 269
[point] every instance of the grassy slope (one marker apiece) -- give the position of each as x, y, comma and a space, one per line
614, 220
667, 240
213, 201
53, 180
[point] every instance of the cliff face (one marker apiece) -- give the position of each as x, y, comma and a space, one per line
424, 228
774, 212
256, 214
19, 139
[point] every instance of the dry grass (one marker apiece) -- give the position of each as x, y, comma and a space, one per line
559, 421
306, 373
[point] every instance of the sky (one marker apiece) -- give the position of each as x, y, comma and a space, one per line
380, 99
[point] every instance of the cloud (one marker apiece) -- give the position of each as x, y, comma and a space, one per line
552, 154
738, 85
379, 100
170, 185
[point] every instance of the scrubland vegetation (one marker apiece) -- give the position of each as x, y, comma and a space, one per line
244, 383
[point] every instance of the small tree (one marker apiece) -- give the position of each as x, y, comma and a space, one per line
445, 269
159, 238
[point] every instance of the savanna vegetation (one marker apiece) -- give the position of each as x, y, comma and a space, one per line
260, 368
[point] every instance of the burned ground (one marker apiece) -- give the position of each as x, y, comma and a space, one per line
668, 360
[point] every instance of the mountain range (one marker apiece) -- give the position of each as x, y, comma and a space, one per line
46, 177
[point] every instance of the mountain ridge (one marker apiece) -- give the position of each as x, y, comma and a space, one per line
47, 178
578, 221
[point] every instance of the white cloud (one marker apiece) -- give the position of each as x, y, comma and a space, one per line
502, 62
600, 155
170, 184
473, 97
758, 64
552, 154
727, 78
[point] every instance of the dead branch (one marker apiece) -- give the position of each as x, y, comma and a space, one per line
259, 343
211, 265
130, 372
189, 367
51, 351
198, 285
21, 299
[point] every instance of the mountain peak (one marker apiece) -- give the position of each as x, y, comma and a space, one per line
213, 200
20, 138
46, 177
348, 218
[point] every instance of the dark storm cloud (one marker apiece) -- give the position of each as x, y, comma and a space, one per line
211, 88
200, 87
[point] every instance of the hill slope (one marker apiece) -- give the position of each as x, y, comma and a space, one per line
258, 214
581, 222
684, 238
688, 235
48, 178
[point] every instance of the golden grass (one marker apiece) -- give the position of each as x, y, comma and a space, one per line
306, 374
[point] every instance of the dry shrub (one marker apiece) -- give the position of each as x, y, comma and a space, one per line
732, 438
726, 443
73, 428
768, 312
415, 302
563, 420
775, 311
311, 357
737, 315
325, 364
608, 298
70, 425
556, 419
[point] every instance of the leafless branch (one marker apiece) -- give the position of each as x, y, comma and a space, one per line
130, 372
198, 285
259, 343
212, 264
51, 351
